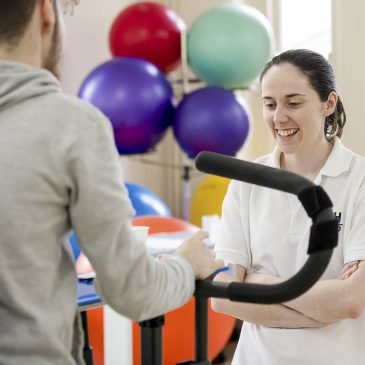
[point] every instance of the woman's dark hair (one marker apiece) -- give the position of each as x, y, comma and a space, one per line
321, 77
15, 16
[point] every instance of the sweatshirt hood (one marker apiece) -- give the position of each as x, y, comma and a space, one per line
19, 82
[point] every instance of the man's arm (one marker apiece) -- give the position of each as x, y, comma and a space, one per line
328, 301
273, 315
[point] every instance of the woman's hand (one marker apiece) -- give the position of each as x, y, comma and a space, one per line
348, 270
258, 278
261, 278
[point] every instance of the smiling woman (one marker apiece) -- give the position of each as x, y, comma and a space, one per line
320, 77
296, 116
302, 109
263, 233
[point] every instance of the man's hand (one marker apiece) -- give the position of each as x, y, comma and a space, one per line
199, 256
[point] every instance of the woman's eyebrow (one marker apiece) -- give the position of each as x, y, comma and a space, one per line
294, 94
286, 96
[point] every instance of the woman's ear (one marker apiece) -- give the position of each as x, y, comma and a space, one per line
331, 103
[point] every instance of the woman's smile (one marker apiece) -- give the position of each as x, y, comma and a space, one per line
288, 132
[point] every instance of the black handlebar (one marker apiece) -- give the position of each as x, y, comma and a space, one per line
323, 235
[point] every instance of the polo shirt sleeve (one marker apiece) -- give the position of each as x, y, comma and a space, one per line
354, 242
128, 278
232, 244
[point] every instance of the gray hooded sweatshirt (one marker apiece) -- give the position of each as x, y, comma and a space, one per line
59, 170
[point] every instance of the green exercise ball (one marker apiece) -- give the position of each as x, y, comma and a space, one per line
229, 45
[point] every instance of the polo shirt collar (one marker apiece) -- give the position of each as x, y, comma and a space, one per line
275, 158
337, 162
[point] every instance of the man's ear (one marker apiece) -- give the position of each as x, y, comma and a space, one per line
48, 15
331, 103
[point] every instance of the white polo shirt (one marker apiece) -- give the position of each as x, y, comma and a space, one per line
267, 230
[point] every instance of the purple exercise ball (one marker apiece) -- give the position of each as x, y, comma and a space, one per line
211, 119
137, 99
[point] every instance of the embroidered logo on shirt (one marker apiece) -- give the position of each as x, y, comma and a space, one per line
338, 219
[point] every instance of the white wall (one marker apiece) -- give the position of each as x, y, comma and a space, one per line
348, 59
87, 44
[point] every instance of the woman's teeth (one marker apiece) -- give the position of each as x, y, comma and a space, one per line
287, 132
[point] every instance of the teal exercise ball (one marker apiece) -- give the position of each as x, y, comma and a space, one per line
229, 45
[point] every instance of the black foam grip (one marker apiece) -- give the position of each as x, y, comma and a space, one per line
323, 236
250, 172
314, 200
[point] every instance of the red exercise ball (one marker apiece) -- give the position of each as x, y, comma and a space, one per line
149, 31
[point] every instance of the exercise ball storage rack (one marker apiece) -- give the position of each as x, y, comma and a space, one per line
323, 239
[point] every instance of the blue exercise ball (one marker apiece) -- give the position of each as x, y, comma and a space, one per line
137, 99
146, 202
229, 45
211, 119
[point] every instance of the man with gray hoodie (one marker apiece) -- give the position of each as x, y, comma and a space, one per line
60, 170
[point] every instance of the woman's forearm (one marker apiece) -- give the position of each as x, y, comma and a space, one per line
328, 301
262, 314
268, 315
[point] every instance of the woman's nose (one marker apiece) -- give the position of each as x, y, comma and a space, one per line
280, 115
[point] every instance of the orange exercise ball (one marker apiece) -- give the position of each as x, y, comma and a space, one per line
179, 335
95, 321
159, 224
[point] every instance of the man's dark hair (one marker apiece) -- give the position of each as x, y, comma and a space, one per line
15, 16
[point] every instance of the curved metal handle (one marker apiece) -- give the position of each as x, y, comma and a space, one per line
323, 236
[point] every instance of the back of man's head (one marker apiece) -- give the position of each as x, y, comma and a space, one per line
15, 16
